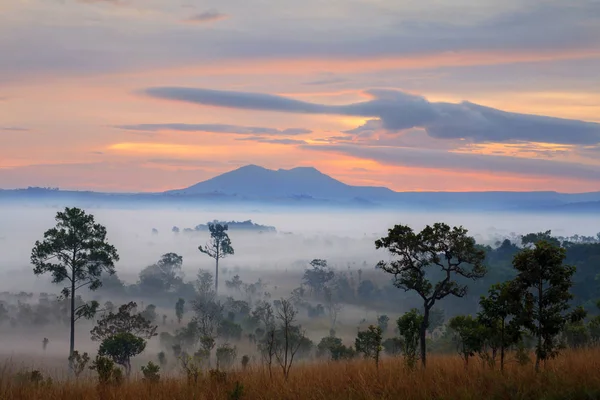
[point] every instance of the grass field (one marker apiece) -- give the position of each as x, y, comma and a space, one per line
575, 374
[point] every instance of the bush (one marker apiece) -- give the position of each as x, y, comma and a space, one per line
33, 377
78, 362
108, 373
237, 392
151, 372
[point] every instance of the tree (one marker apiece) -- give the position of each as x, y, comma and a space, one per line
369, 343
318, 277
500, 312
209, 314
382, 322
126, 320
450, 252
467, 336
235, 283
289, 337
76, 250
163, 276
180, 309
226, 356
545, 282
409, 326
121, 347
78, 362
218, 247
332, 305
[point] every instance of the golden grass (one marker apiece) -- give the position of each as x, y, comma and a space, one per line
575, 374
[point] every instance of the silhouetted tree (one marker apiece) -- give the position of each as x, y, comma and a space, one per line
369, 343
449, 251
179, 309
218, 247
76, 251
546, 283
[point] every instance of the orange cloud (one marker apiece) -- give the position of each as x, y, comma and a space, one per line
286, 66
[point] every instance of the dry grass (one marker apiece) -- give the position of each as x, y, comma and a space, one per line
574, 375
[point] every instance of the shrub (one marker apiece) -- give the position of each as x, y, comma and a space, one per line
150, 372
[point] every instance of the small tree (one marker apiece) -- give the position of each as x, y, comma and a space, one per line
226, 356
218, 247
78, 362
545, 282
121, 347
449, 251
123, 335
382, 322
75, 251
409, 326
162, 359
318, 276
180, 309
500, 314
107, 372
369, 343
467, 336
151, 372
289, 337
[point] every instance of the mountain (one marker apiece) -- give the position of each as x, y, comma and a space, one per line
254, 182
306, 187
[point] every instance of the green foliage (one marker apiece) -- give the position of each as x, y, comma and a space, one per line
108, 373
468, 335
75, 251
121, 347
237, 392
545, 282
332, 348
151, 372
126, 320
500, 315
440, 250
78, 362
409, 326
180, 309
369, 343
576, 334
522, 354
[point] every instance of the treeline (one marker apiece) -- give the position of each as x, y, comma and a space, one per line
532, 307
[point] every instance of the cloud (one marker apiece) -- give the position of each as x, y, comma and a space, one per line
330, 81
399, 111
14, 129
274, 141
115, 2
206, 17
436, 159
215, 128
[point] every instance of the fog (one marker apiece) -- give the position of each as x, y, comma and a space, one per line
344, 238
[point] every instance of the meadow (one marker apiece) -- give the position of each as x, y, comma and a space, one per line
574, 374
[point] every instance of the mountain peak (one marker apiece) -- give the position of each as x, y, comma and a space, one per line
253, 181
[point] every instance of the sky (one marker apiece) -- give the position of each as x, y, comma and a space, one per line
151, 95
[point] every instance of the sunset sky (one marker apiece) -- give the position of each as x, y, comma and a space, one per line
150, 95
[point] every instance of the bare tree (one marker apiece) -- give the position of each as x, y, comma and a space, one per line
288, 336
267, 349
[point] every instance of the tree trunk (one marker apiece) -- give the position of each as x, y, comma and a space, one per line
217, 277
502, 346
72, 338
422, 336
539, 332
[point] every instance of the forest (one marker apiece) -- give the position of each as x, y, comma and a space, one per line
521, 313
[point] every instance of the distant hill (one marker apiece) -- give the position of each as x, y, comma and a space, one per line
257, 182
